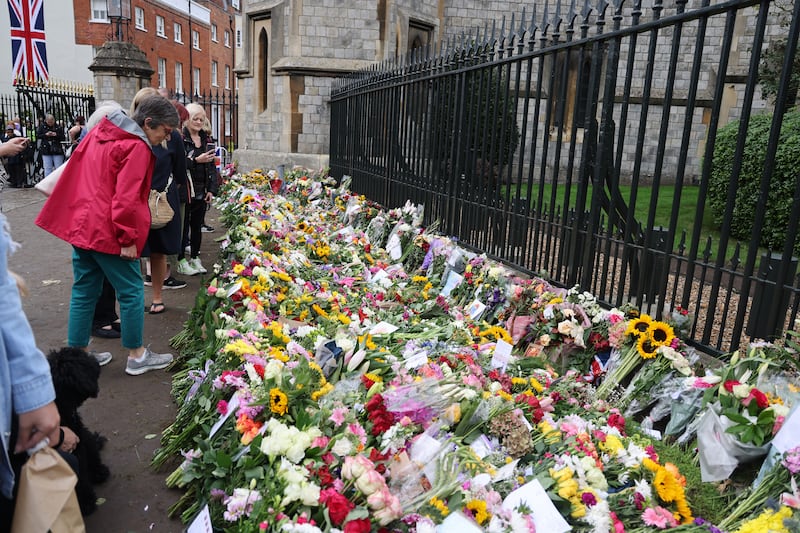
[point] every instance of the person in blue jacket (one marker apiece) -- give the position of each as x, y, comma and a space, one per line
26, 388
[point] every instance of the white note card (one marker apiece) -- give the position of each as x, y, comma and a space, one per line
502, 354
233, 405
458, 523
545, 515
789, 435
201, 522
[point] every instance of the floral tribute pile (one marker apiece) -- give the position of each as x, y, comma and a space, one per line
348, 370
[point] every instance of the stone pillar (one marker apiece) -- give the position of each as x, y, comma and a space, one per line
120, 69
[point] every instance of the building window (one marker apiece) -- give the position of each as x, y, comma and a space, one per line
214, 72
238, 38
196, 39
178, 36
214, 33
178, 77
263, 69
228, 121
235, 4
160, 26
99, 11
227, 38
139, 18
162, 72
227, 77
196, 80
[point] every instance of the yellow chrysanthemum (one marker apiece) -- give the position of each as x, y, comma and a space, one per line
439, 505
316, 395
419, 279
278, 401
238, 269
538, 387
320, 311
240, 348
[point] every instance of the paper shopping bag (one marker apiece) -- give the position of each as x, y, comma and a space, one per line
46, 500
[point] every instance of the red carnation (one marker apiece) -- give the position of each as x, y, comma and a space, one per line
616, 420
360, 525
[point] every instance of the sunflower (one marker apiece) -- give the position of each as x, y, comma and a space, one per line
638, 326
478, 508
646, 347
661, 333
278, 401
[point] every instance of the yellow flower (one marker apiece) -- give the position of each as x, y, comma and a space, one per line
320, 311
479, 512
316, 395
612, 445
419, 279
538, 387
240, 348
238, 269
639, 325
439, 505
278, 401
646, 347
661, 333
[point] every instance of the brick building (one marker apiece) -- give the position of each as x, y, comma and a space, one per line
190, 44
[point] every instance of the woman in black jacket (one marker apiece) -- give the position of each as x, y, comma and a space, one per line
50, 136
202, 187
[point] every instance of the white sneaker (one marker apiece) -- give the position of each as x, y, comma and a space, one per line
149, 361
186, 268
197, 265
102, 358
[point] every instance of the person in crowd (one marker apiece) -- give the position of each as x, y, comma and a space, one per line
28, 414
50, 136
169, 172
203, 184
105, 321
205, 228
100, 207
15, 164
78, 131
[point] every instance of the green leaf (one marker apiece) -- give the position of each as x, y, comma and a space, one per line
736, 417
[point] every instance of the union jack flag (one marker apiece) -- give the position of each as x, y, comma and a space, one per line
28, 43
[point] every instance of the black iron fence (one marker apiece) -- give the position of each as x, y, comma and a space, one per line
32, 100
222, 112
606, 147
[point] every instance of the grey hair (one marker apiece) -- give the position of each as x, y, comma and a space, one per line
103, 110
158, 109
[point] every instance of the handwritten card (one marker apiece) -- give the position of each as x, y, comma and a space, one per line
383, 328
475, 309
502, 354
453, 280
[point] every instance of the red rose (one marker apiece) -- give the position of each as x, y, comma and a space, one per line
338, 505
360, 525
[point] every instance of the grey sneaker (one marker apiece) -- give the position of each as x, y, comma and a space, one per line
150, 361
102, 358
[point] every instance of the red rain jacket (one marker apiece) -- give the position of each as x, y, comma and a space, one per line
100, 201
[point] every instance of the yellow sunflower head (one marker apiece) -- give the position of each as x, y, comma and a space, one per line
646, 347
661, 333
278, 401
638, 326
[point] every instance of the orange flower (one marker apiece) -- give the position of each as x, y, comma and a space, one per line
248, 428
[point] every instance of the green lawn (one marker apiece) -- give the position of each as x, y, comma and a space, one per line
686, 213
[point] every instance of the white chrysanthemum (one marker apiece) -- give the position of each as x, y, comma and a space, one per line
599, 517
643, 487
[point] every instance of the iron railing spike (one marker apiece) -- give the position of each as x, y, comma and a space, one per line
511, 28
522, 28
534, 25
587, 9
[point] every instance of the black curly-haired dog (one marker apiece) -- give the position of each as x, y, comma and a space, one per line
75, 378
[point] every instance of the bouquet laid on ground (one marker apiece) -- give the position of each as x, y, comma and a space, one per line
346, 369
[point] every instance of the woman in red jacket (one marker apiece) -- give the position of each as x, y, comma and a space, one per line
99, 206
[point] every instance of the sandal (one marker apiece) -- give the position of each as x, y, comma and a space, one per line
156, 308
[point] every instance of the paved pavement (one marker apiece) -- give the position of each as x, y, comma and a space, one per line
130, 411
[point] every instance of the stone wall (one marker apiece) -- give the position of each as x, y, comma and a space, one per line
311, 42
